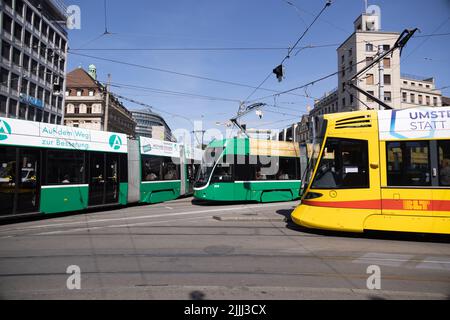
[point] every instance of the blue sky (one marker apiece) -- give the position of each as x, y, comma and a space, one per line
242, 23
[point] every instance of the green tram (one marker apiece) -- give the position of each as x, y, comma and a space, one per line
46, 168
244, 169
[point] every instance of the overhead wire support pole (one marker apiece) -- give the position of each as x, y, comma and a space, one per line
399, 44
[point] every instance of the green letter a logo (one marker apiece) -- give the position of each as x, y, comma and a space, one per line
115, 142
5, 129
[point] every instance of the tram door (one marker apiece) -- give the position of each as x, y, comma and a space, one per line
19, 180
103, 179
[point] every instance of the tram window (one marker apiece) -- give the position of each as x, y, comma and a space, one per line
123, 168
287, 169
170, 171
244, 168
151, 168
444, 162
222, 173
65, 167
408, 163
344, 165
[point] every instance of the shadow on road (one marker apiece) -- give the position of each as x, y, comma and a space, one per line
197, 295
368, 234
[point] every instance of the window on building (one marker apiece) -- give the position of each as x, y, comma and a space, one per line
4, 73
34, 67
26, 62
22, 111
42, 72
35, 45
29, 15
372, 93
18, 32
427, 86
420, 85
45, 119
350, 66
16, 57
369, 47
351, 99
387, 96
27, 39
89, 109
413, 84
342, 59
343, 102
412, 98
369, 79
435, 103
344, 165
404, 97
369, 60
37, 22
38, 115
91, 93
52, 118
67, 93
12, 108
24, 86
408, 163
65, 167
32, 91
350, 52
386, 47
31, 111
3, 105
444, 162
79, 93
14, 81
7, 23
427, 99
6, 50
343, 71
420, 99
19, 7
40, 93
405, 82
387, 79
387, 62
76, 109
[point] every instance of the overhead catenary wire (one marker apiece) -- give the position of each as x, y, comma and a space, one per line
175, 72
327, 4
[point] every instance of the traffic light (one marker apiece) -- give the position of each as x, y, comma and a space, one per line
279, 72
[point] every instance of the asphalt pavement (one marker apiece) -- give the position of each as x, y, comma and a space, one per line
188, 250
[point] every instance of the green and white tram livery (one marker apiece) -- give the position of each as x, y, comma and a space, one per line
243, 169
50, 168
46, 168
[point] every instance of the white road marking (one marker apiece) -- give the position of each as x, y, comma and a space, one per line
120, 225
145, 217
397, 260
170, 208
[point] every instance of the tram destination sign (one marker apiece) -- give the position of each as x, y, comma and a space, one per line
45, 135
415, 123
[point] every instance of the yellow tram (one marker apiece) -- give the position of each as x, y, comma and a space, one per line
379, 170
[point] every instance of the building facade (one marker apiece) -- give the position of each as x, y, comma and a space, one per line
86, 101
33, 60
151, 125
384, 80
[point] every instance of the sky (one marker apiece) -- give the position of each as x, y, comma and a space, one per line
134, 25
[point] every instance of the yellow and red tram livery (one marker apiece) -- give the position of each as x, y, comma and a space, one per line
379, 170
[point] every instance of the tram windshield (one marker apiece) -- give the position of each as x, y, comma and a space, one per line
319, 127
210, 158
